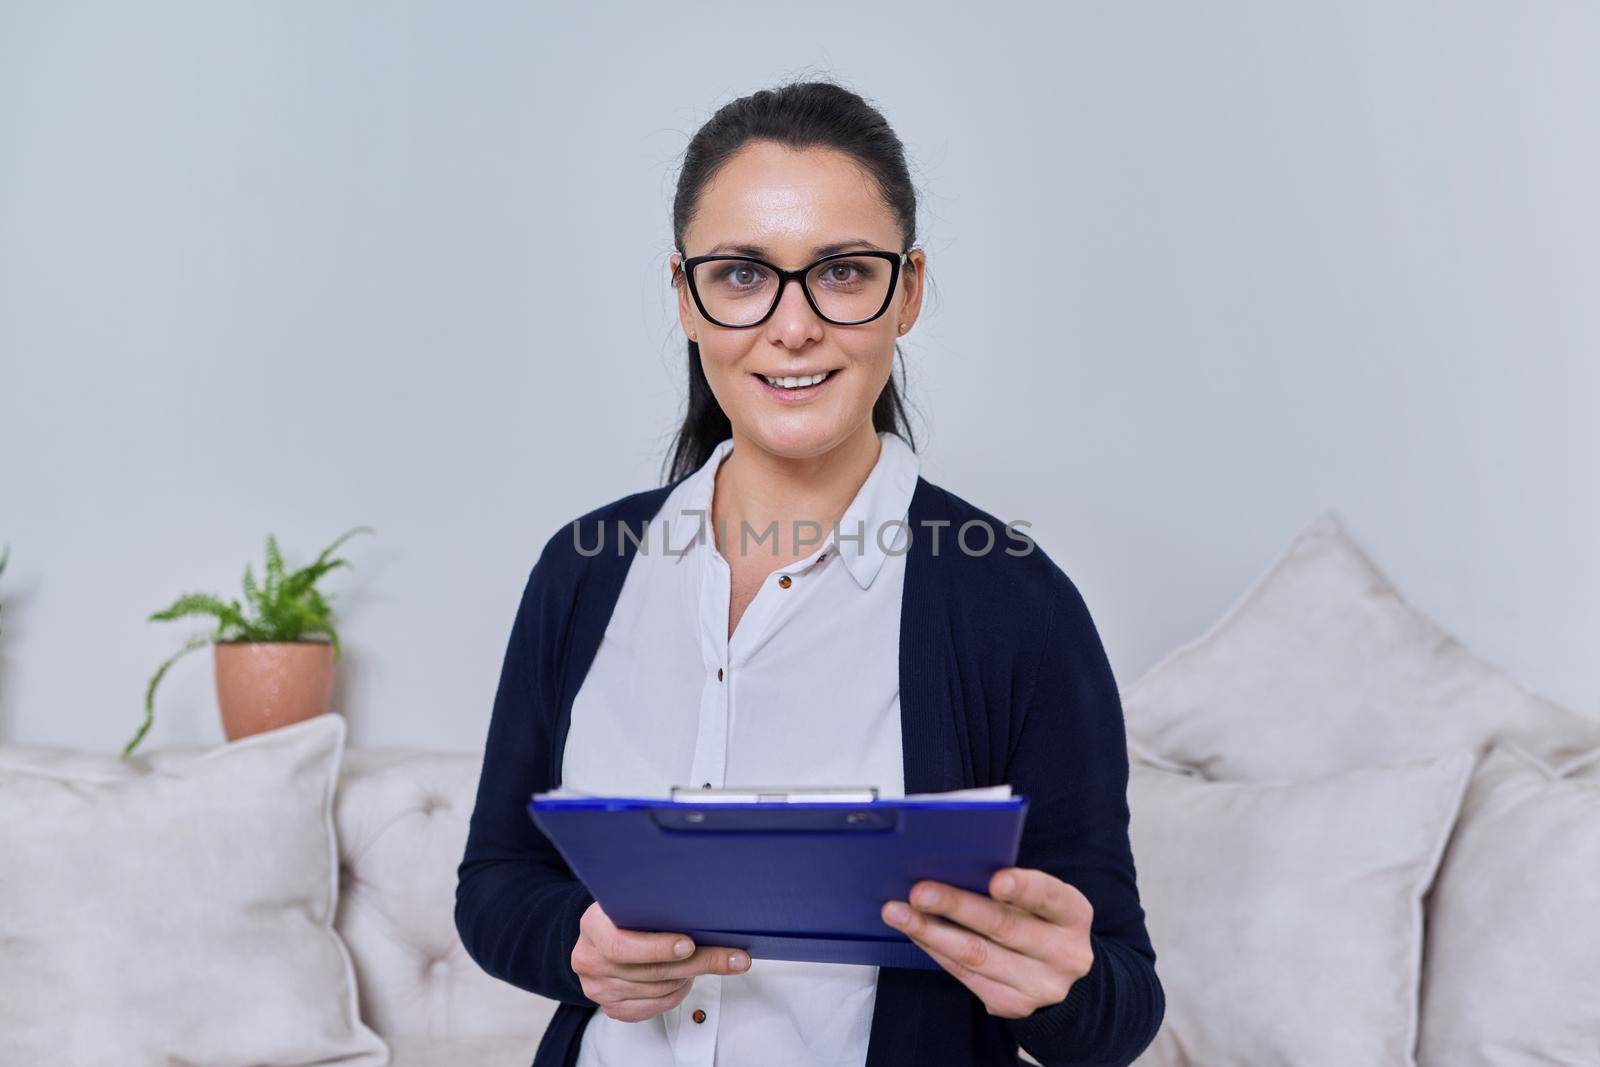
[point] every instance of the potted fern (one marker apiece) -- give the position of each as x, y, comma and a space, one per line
273, 655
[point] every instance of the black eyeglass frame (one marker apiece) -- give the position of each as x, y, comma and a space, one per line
895, 259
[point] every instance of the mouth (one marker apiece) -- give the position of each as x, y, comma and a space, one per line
794, 387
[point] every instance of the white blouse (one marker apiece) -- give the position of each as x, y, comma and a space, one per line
807, 692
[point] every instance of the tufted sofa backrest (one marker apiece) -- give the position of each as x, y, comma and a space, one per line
401, 816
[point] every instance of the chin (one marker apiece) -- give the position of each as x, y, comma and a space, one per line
801, 435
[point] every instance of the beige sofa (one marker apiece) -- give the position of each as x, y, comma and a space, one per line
1356, 843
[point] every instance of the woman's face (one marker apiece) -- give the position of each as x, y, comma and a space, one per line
789, 208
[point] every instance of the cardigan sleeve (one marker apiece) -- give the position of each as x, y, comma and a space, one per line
517, 902
1070, 759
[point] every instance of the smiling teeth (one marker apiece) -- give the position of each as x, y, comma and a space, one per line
792, 382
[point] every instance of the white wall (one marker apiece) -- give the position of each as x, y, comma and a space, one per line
1201, 272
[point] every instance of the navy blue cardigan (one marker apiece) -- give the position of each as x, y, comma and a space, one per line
1003, 679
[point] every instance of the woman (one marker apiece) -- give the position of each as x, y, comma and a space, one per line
797, 605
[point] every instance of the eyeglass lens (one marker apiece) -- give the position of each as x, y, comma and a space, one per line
739, 292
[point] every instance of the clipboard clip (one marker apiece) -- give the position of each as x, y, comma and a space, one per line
863, 794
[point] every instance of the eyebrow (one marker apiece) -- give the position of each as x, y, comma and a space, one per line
853, 244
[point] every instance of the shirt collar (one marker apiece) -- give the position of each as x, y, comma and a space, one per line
877, 513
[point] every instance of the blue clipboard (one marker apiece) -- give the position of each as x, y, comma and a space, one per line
783, 880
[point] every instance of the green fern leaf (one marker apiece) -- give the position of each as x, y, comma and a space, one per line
274, 568
192, 604
252, 592
150, 691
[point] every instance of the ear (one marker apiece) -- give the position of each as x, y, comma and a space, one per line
686, 310
912, 276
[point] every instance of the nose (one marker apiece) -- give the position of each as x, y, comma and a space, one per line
793, 317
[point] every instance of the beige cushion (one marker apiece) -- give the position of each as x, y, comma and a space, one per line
178, 908
1322, 666
1512, 968
401, 817
1287, 916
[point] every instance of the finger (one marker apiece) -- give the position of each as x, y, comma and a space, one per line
637, 946
1043, 894
998, 998
642, 1008
973, 951
1030, 981
613, 989
640, 955
1007, 924
707, 959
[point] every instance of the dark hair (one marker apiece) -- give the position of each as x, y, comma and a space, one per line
798, 115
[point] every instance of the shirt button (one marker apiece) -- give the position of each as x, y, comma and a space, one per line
699, 1015
706, 786
719, 674
785, 581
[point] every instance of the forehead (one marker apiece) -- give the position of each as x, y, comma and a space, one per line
790, 204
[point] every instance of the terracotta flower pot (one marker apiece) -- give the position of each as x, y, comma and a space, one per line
262, 685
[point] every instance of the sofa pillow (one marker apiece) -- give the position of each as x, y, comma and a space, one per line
1322, 666
178, 909
1287, 916
1510, 975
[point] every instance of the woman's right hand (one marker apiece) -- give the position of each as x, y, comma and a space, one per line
635, 976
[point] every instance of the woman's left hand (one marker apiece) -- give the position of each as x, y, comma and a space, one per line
1019, 949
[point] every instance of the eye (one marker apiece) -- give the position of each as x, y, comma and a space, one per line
737, 275
851, 275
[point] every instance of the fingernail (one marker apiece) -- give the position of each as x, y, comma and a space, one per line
1005, 884
738, 961
927, 895
898, 912
682, 948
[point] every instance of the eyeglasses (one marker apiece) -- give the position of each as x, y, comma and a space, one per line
846, 288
